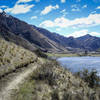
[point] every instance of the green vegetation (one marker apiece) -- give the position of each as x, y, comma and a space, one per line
61, 55
90, 77
72, 54
98, 50
25, 91
39, 53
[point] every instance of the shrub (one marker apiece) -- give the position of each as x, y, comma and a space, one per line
46, 73
39, 53
91, 77
55, 95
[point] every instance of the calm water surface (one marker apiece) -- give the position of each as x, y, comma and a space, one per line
79, 63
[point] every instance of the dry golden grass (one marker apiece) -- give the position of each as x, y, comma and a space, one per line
13, 56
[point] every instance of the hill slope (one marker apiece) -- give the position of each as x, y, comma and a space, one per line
52, 82
49, 81
89, 42
27, 33
32, 37
86, 42
13, 57
64, 41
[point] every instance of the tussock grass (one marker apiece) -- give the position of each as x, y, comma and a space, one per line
53, 82
13, 56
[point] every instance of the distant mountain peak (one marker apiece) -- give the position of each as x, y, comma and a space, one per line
88, 35
85, 36
32, 37
3, 13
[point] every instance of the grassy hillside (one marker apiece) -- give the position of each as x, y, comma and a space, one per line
13, 56
53, 82
50, 81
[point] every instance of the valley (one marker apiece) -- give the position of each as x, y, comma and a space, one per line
27, 71
32, 37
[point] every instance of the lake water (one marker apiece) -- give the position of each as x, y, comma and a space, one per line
79, 63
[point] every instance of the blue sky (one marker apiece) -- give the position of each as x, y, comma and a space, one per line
66, 17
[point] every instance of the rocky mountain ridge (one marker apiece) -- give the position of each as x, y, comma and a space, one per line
32, 37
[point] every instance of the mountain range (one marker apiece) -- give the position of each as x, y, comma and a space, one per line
32, 37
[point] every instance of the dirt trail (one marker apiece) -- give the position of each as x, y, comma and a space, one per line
14, 83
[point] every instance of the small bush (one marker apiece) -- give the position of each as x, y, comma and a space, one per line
91, 77
46, 73
39, 53
55, 95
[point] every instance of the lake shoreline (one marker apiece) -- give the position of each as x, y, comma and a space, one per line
57, 55
76, 64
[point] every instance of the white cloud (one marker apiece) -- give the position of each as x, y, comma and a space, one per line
20, 8
0, 10
98, 7
85, 6
91, 20
3, 6
94, 34
48, 9
75, 8
47, 23
23, 1
63, 1
34, 17
64, 12
58, 29
82, 33
93, 12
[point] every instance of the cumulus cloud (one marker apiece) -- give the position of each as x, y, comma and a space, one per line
34, 17
63, 1
85, 6
93, 12
91, 20
3, 6
47, 23
75, 8
64, 12
58, 29
48, 9
0, 10
82, 33
23, 1
20, 8
98, 7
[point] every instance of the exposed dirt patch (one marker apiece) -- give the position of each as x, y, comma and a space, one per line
12, 81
